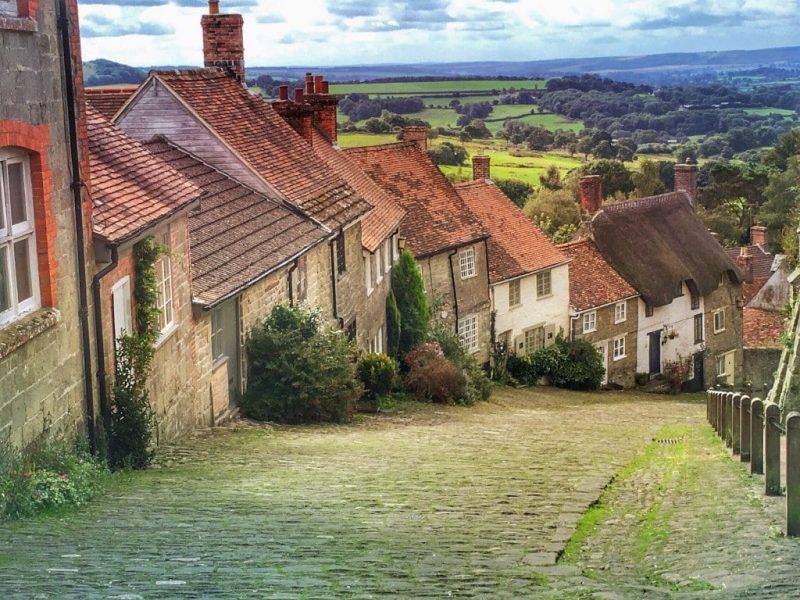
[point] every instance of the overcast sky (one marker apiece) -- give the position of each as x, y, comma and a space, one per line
346, 32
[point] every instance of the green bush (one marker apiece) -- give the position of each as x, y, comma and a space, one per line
432, 377
48, 474
479, 387
392, 325
571, 364
409, 291
378, 375
522, 369
299, 371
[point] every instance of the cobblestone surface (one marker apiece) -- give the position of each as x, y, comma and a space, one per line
426, 503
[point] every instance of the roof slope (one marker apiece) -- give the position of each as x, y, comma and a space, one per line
436, 217
657, 242
516, 245
385, 215
592, 281
131, 188
237, 235
108, 100
763, 266
762, 328
252, 129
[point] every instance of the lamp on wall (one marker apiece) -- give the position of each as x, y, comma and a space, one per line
401, 243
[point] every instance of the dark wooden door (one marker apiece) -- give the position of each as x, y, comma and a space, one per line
655, 352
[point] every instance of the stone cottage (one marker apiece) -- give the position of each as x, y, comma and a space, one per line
528, 275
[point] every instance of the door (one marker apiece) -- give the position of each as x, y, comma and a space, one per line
225, 343
602, 348
655, 352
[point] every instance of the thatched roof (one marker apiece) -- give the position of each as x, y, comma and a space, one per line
657, 242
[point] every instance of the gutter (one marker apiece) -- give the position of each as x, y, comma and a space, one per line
98, 326
80, 240
290, 286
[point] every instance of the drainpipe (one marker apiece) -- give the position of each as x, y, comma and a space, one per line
333, 279
453, 281
99, 341
76, 184
291, 287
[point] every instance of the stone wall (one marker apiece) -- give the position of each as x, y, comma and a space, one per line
728, 296
623, 370
350, 287
760, 366
41, 370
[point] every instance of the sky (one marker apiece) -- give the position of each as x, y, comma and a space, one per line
351, 32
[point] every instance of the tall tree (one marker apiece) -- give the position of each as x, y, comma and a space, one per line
412, 304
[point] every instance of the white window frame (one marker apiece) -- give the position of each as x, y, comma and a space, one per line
11, 235
466, 260
719, 327
378, 266
721, 372
544, 284
468, 333
368, 273
387, 255
620, 348
121, 307
589, 322
620, 312
512, 296
217, 333
529, 337
165, 292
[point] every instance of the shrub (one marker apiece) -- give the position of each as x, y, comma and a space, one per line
521, 368
48, 474
378, 375
432, 377
478, 385
392, 325
299, 371
409, 291
571, 364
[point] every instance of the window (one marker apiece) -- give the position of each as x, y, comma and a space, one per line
514, 295
387, 255
620, 312
376, 343
719, 321
468, 332
368, 272
19, 273
534, 340
466, 258
543, 284
695, 301
121, 304
341, 264
619, 348
590, 321
166, 318
352, 330
721, 362
679, 289
648, 309
378, 266
698, 328
217, 349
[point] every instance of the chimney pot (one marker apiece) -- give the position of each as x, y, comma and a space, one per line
283, 93
481, 166
591, 190
325, 88
309, 83
418, 135
318, 84
298, 95
213, 7
745, 262
758, 236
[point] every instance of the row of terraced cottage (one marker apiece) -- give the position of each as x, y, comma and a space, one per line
259, 206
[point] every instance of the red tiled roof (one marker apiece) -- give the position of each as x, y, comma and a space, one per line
131, 188
592, 281
750, 290
252, 128
385, 215
516, 245
762, 260
108, 100
762, 328
237, 235
436, 217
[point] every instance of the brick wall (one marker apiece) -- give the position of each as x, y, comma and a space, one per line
41, 374
223, 43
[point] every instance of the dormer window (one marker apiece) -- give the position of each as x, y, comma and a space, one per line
679, 289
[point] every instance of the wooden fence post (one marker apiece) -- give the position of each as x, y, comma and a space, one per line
736, 423
728, 418
793, 474
744, 429
757, 437
772, 449
721, 415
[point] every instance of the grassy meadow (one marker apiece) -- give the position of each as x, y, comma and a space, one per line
435, 87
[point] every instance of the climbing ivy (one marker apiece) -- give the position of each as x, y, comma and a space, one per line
131, 419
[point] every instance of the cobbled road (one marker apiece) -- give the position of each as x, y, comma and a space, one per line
424, 502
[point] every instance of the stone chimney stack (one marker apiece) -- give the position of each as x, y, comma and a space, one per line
418, 135
591, 189
223, 41
686, 179
298, 114
481, 169
745, 262
323, 104
758, 236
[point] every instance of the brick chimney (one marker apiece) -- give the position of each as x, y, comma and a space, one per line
591, 189
758, 236
223, 42
323, 104
686, 179
745, 262
298, 114
481, 169
418, 135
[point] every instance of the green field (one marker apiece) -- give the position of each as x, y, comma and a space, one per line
445, 100
433, 87
765, 112
548, 121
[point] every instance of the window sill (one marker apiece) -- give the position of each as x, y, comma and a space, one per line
26, 24
585, 331
616, 358
220, 361
465, 277
544, 296
515, 306
17, 333
166, 334
716, 331
620, 322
